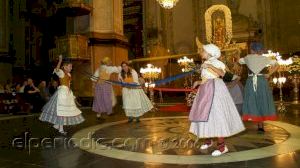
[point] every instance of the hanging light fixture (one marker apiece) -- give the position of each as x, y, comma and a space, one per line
167, 4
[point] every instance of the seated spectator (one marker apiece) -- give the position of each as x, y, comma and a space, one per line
16, 88
7, 88
23, 87
44, 91
32, 95
1, 88
53, 87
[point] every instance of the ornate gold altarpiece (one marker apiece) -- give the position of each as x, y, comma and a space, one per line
218, 24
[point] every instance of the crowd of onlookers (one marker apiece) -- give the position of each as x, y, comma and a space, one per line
26, 96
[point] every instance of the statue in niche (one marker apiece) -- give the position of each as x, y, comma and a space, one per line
219, 32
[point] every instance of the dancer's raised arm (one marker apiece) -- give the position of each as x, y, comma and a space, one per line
59, 62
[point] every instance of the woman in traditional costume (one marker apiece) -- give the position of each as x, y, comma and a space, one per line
135, 101
213, 113
235, 88
61, 109
104, 98
258, 105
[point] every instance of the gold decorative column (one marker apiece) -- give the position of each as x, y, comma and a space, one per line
296, 80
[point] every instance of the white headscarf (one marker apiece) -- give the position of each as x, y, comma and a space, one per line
213, 50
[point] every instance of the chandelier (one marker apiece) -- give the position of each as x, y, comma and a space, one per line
278, 58
167, 4
150, 72
185, 62
272, 55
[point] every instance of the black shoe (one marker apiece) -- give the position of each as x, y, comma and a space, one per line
137, 120
130, 119
261, 130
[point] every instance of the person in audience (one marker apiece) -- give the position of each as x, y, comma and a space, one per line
53, 87
32, 95
44, 91
17, 88
7, 88
1, 88
23, 87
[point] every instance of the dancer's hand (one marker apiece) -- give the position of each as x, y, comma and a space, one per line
196, 84
60, 57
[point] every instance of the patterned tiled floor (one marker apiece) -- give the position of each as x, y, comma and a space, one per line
166, 140
279, 140
170, 136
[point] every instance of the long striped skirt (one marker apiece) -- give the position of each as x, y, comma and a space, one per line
103, 102
49, 114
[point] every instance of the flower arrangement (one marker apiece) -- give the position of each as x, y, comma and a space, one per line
190, 98
294, 68
272, 55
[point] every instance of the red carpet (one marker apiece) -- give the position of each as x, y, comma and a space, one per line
175, 108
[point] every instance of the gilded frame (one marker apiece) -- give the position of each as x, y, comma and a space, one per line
228, 22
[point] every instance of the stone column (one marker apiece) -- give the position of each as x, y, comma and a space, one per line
106, 37
152, 30
167, 29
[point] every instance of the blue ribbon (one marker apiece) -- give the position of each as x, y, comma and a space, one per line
157, 83
173, 78
124, 84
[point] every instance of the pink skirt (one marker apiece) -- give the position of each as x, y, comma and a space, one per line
223, 119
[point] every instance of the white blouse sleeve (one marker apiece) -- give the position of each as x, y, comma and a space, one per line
220, 65
59, 73
96, 75
135, 77
242, 61
113, 69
